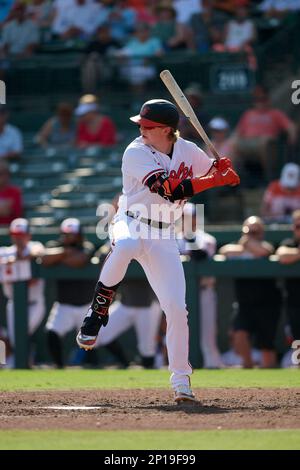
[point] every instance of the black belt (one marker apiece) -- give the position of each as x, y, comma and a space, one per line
153, 223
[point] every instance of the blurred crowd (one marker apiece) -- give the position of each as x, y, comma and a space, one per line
136, 30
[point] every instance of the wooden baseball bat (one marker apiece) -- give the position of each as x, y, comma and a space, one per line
187, 109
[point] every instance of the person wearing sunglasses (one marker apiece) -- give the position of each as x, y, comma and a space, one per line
257, 304
289, 253
160, 172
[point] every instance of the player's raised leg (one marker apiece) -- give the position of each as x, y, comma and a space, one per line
112, 273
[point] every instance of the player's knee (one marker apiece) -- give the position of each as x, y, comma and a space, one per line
175, 309
127, 247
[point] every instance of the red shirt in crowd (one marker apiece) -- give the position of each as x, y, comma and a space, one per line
105, 134
263, 123
281, 201
12, 194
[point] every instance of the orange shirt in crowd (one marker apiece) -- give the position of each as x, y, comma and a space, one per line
281, 201
225, 148
263, 123
105, 134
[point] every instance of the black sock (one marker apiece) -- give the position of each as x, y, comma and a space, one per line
55, 348
103, 298
116, 349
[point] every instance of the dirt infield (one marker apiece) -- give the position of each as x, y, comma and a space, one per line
229, 408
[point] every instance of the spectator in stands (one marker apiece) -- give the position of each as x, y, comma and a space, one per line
239, 35
186, 8
219, 129
144, 10
11, 141
198, 246
258, 299
278, 9
137, 54
10, 197
20, 36
73, 295
240, 31
95, 67
121, 19
94, 129
59, 130
79, 20
257, 133
229, 6
40, 12
59, 10
22, 248
282, 196
195, 96
289, 253
204, 23
172, 34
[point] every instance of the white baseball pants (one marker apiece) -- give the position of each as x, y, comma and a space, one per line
161, 262
64, 318
36, 313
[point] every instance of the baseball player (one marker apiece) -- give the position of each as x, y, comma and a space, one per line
160, 172
23, 248
72, 295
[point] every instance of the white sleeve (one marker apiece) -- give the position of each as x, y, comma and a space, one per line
139, 164
202, 163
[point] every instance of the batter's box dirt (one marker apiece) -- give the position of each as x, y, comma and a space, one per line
151, 409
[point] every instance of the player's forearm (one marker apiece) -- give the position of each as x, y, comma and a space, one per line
78, 260
287, 255
289, 259
53, 256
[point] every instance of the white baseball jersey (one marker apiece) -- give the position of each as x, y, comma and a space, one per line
36, 286
36, 300
202, 241
132, 238
140, 161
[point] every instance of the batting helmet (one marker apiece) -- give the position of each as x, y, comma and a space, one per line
158, 113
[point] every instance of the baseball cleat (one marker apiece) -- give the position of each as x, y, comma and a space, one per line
86, 342
87, 336
183, 393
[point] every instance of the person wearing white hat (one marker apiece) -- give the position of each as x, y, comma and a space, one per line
94, 129
199, 245
72, 295
23, 248
219, 130
282, 196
